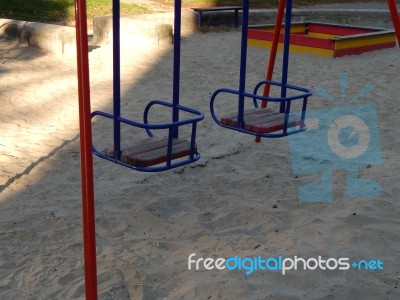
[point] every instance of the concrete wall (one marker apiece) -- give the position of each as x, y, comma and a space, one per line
49, 37
158, 28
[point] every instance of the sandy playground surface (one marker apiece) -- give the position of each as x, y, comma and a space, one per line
241, 199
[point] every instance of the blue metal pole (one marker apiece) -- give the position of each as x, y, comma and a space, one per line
116, 79
285, 63
243, 63
177, 62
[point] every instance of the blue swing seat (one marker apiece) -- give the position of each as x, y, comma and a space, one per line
154, 154
257, 121
264, 122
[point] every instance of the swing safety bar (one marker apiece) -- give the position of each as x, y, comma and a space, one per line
200, 116
305, 92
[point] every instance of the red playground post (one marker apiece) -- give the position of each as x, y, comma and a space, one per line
395, 18
272, 56
89, 241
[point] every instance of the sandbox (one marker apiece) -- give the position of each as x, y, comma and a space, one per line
325, 39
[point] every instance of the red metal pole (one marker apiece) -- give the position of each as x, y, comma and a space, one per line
272, 56
395, 18
88, 214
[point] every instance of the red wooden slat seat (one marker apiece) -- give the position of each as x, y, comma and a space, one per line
272, 123
152, 151
261, 120
231, 119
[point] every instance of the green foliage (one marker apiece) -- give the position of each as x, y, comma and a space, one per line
59, 11
32, 10
104, 7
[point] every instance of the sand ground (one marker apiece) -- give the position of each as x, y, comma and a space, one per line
240, 199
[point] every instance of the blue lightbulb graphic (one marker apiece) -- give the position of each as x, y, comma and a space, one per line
345, 136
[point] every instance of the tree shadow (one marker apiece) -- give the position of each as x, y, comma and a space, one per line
13, 49
39, 193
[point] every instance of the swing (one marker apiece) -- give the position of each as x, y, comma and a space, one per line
151, 154
262, 121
